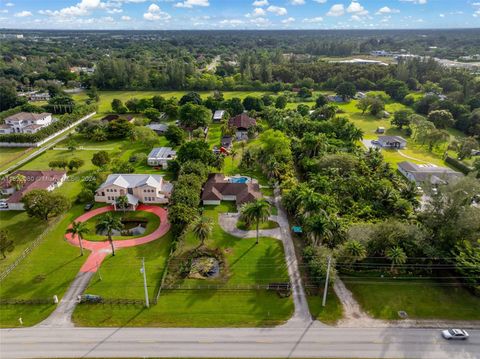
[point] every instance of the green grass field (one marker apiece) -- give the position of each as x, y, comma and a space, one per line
333, 310
8, 155
247, 264
420, 299
47, 271
263, 225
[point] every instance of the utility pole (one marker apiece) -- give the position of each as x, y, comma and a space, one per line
142, 270
326, 282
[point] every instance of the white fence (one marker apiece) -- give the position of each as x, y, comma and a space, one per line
39, 143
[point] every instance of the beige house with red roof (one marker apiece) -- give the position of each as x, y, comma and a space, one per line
48, 180
25, 122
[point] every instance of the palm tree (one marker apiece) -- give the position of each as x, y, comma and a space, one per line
318, 226
202, 228
18, 181
355, 250
396, 255
108, 224
255, 212
122, 202
79, 229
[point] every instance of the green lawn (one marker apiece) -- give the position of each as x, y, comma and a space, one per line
152, 224
47, 271
333, 310
214, 135
22, 230
420, 299
263, 225
246, 264
9, 154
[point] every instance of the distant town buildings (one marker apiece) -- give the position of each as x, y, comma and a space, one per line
26, 122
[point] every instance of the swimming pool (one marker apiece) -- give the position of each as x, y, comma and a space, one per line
239, 180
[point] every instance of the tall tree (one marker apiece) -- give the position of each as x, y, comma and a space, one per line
6, 244
202, 229
255, 212
78, 229
108, 224
397, 256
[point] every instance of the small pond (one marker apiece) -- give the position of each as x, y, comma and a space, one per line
131, 227
204, 267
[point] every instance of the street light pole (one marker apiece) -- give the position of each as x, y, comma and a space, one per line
326, 282
142, 270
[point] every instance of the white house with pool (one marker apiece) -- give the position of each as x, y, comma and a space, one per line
144, 188
240, 189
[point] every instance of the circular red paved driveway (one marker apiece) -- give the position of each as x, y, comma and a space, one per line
99, 250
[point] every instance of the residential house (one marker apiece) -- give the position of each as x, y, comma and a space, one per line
26, 122
48, 180
226, 142
222, 188
395, 142
359, 95
421, 174
160, 156
218, 115
242, 123
145, 188
159, 128
335, 98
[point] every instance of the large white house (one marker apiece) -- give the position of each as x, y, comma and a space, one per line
26, 122
137, 188
424, 174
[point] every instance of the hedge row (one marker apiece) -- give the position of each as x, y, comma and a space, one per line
64, 121
459, 165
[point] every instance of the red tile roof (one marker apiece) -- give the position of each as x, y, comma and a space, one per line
34, 180
217, 186
242, 121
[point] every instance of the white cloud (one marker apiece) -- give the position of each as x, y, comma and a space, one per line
231, 22
82, 8
442, 15
154, 13
420, 2
297, 2
126, 18
191, 3
3, 11
258, 11
313, 20
9, 4
260, 3
386, 10
277, 10
115, 11
336, 10
320, 1
288, 21
356, 8
23, 14
260, 22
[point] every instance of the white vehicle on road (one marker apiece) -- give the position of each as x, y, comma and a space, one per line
455, 334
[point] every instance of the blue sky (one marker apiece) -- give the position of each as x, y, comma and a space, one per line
238, 14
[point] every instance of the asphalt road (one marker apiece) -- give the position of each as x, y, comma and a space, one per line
280, 342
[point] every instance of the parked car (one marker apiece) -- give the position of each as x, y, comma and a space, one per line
89, 206
90, 298
375, 142
455, 334
3, 204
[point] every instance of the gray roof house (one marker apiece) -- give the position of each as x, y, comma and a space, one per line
160, 156
137, 188
159, 128
421, 174
396, 142
218, 115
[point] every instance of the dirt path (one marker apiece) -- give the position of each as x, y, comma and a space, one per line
413, 158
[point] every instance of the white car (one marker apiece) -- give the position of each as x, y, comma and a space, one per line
455, 334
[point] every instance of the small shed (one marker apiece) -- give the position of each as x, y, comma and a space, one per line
380, 130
